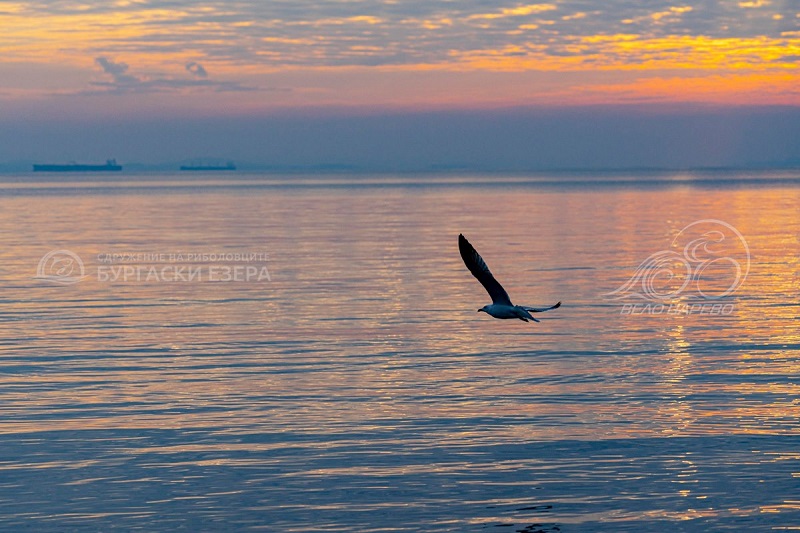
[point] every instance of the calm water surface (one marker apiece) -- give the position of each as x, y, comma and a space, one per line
356, 388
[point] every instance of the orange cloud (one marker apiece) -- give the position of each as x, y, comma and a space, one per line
514, 12
754, 3
635, 52
250, 44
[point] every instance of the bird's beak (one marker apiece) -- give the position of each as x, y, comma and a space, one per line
479, 310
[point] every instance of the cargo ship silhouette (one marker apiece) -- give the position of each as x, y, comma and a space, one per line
110, 166
208, 165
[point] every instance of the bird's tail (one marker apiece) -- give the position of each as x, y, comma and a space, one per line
540, 309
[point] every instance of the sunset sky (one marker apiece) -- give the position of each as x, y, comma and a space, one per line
145, 64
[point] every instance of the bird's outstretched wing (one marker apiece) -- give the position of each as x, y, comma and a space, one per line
477, 266
541, 309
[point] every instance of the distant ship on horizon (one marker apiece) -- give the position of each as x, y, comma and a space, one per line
209, 165
110, 166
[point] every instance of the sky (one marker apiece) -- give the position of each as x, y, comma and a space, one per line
386, 83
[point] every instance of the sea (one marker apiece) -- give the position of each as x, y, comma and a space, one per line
303, 353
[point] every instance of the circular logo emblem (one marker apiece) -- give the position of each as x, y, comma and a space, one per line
62, 267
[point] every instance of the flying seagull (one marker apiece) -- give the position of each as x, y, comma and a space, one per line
501, 306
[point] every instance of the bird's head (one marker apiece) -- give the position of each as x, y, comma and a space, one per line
484, 309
